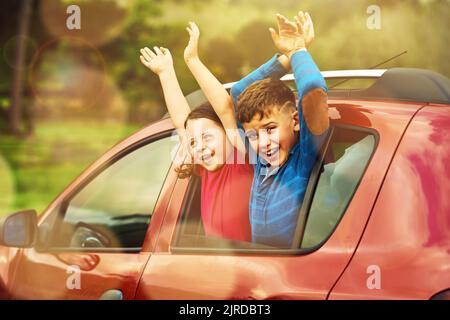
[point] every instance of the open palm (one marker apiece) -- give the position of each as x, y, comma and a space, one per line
293, 34
159, 60
304, 19
191, 50
289, 36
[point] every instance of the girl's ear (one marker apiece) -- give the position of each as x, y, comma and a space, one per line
294, 115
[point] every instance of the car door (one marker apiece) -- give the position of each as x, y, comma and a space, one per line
407, 241
95, 240
343, 187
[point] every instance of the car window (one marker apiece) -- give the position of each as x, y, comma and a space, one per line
345, 160
114, 209
190, 233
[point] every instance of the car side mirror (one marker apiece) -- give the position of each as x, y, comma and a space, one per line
19, 229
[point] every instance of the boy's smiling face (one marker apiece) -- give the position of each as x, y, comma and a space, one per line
274, 134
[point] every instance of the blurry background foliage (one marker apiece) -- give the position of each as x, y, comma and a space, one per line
84, 90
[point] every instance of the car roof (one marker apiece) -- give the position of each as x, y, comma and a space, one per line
399, 84
407, 86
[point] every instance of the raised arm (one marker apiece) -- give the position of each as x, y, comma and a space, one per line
311, 86
212, 88
278, 66
312, 92
160, 62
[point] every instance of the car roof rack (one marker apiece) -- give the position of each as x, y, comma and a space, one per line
400, 84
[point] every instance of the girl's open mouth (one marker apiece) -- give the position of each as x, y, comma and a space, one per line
207, 157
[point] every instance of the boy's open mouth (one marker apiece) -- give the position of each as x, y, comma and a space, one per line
273, 151
272, 154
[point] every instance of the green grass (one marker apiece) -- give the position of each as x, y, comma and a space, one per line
33, 171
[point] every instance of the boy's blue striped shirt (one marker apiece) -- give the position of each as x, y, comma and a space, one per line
276, 199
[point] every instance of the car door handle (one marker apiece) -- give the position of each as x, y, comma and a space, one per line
112, 294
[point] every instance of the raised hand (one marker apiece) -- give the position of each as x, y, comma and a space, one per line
159, 60
290, 37
191, 50
304, 19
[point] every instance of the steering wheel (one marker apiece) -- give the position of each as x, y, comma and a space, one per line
87, 236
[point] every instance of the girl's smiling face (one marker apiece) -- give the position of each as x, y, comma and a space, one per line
208, 143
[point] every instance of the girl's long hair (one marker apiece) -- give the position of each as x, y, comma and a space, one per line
205, 110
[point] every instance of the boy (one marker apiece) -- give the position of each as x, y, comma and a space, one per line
286, 138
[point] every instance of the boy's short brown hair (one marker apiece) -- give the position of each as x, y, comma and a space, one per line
261, 96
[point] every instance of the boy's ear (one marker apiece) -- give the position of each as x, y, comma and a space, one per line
294, 115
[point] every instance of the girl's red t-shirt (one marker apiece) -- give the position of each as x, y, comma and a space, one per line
225, 201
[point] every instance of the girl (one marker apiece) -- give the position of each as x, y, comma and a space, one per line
212, 140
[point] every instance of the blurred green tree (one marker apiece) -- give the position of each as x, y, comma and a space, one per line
255, 43
224, 59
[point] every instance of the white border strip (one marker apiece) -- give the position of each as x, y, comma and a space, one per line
336, 74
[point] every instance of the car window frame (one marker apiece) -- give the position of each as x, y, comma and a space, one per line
304, 210
45, 245
306, 207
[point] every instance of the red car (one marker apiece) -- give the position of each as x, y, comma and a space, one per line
375, 222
